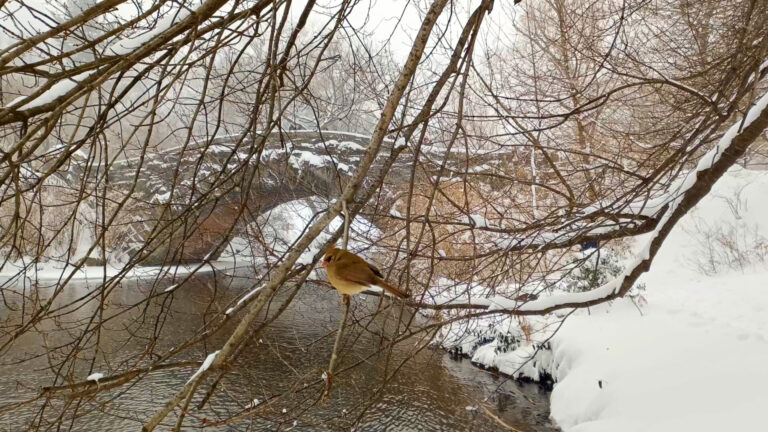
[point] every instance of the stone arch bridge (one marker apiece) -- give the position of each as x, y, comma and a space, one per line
167, 187
292, 165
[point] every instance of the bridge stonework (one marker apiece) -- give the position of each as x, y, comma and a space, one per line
167, 209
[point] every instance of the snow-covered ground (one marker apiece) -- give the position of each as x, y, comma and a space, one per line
695, 361
52, 272
693, 357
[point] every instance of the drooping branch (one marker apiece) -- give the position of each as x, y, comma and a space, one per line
694, 186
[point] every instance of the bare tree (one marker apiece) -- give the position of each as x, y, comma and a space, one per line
161, 134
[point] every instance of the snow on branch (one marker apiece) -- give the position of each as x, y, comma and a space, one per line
58, 88
244, 299
204, 367
688, 191
629, 219
692, 188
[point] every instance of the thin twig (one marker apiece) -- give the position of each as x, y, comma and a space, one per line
336, 347
345, 300
346, 224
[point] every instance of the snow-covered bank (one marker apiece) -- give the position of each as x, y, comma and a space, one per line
14, 273
692, 359
695, 361
279, 229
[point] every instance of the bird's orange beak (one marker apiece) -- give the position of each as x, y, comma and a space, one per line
325, 264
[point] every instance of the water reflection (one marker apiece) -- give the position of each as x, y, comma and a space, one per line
280, 368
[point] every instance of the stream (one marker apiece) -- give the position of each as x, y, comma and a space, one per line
279, 370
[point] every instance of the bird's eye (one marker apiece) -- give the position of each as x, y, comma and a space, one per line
329, 259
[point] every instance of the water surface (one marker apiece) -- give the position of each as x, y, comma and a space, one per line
378, 387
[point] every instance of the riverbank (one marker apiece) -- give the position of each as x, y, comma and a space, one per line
27, 271
689, 353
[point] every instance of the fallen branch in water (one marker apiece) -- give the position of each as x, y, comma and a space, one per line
89, 387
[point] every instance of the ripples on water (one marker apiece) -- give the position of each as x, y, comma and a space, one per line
430, 392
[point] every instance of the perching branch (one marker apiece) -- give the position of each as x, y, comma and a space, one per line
243, 329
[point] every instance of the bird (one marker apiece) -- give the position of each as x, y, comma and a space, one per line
351, 274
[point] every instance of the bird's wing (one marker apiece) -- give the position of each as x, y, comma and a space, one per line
359, 261
375, 270
359, 274
358, 271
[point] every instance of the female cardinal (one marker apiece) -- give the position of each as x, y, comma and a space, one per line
350, 274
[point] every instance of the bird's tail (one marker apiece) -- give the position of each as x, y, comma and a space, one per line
391, 289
